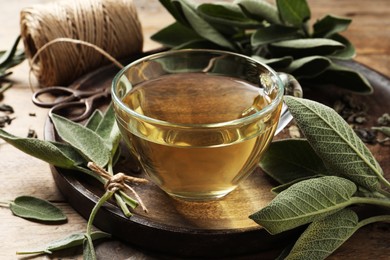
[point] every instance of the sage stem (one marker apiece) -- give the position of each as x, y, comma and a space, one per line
371, 201
106, 196
381, 218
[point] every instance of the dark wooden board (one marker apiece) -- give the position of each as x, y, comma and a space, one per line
197, 229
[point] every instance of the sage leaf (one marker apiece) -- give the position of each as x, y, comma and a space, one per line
308, 67
305, 202
345, 78
175, 11
200, 26
323, 237
70, 241
273, 33
86, 141
108, 129
329, 25
260, 10
88, 248
305, 47
291, 159
226, 14
94, 120
7, 56
293, 12
341, 150
36, 209
285, 186
276, 62
347, 53
61, 155
175, 35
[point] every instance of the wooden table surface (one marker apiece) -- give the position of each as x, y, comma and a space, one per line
24, 175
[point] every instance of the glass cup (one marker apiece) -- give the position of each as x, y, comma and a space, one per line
198, 120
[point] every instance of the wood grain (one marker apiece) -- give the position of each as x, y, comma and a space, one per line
24, 175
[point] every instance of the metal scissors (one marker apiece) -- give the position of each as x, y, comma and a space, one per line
71, 99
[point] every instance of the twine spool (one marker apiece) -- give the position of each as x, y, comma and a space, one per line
109, 25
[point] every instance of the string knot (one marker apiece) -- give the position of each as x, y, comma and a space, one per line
118, 181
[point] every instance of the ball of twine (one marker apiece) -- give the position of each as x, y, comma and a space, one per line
64, 40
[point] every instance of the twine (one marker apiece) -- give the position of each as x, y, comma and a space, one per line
118, 182
108, 26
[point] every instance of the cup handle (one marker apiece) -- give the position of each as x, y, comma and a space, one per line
292, 88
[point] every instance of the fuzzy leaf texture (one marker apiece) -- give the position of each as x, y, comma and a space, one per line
323, 237
36, 209
305, 202
86, 141
58, 154
341, 150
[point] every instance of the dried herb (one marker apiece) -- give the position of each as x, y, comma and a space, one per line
4, 120
278, 35
321, 177
384, 119
6, 108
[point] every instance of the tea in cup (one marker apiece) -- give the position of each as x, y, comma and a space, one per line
197, 120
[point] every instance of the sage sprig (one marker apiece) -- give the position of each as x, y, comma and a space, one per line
96, 143
269, 33
322, 176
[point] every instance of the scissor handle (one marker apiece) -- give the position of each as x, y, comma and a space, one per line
67, 95
84, 114
86, 103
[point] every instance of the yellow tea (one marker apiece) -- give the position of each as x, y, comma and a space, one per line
201, 157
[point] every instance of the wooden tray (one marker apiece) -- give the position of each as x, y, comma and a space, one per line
197, 229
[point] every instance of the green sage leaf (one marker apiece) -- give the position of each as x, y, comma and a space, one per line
88, 248
175, 11
276, 62
7, 57
37, 209
345, 78
200, 26
293, 12
291, 159
226, 14
175, 35
329, 25
273, 33
341, 150
305, 47
86, 141
109, 130
70, 241
94, 120
347, 53
308, 67
305, 202
323, 237
260, 10
61, 155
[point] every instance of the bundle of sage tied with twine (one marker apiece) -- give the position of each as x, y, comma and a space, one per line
65, 40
